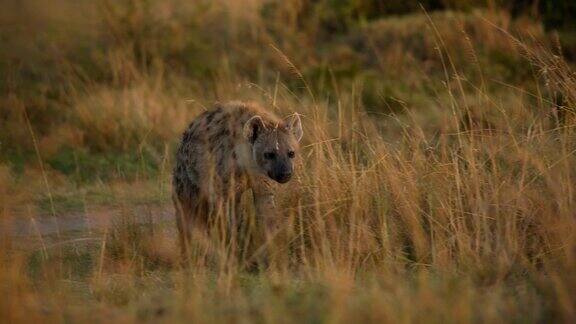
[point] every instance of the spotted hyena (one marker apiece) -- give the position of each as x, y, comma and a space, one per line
225, 151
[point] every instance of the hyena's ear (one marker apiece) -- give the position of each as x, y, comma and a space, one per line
294, 125
253, 127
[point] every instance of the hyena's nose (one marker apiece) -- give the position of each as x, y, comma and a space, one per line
283, 177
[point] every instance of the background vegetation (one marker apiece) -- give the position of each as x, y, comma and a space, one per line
437, 179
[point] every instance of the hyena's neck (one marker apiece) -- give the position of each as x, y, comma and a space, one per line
245, 159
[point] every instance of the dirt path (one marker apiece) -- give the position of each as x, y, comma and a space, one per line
96, 220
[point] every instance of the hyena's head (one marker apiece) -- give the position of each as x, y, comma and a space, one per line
274, 147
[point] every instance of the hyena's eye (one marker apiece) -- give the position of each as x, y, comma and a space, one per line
269, 155
291, 154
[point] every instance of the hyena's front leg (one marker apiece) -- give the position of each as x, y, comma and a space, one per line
267, 213
266, 210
